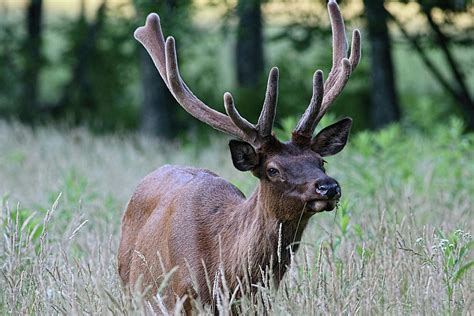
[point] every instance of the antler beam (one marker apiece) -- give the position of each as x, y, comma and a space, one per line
341, 69
165, 59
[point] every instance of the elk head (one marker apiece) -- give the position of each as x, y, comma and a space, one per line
292, 175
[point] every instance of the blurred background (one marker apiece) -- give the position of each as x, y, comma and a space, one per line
75, 62
84, 115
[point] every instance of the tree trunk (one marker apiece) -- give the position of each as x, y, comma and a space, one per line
462, 94
78, 93
158, 111
32, 49
158, 107
456, 87
249, 55
384, 107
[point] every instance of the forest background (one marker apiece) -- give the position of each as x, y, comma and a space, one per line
76, 63
84, 116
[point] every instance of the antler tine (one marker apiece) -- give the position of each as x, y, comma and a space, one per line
307, 123
355, 49
267, 116
164, 57
238, 120
347, 66
151, 37
191, 103
330, 96
340, 72
339, 43
339, 40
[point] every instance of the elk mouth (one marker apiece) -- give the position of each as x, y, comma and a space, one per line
320, 205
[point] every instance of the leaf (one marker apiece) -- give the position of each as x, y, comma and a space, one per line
459, 274
344, 223
465, 248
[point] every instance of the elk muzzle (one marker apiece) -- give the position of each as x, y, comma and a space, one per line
327, 192
329, 188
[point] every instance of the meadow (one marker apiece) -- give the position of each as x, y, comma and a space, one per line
399, 243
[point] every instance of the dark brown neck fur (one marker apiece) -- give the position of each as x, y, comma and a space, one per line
260, 236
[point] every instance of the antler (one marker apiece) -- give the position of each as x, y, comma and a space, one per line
342, 67
165, 59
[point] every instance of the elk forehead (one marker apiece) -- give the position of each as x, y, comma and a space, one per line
295, 161
290, 150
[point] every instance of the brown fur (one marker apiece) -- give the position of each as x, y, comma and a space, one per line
200, 225
196, 221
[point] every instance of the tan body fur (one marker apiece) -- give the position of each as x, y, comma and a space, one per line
213, 225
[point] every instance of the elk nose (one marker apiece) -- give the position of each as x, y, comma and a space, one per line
329, 189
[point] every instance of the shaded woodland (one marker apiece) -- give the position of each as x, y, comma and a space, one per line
88, 70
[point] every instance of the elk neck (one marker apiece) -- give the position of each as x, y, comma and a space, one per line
263, 239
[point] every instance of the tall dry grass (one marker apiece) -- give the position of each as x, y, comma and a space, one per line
400, 243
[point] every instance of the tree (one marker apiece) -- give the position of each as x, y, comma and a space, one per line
11, 53
249, 48
455, 82
95, 57
384, 101
158, 109
100, 69
78, 91
32, 53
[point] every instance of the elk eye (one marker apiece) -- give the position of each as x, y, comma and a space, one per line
272, 172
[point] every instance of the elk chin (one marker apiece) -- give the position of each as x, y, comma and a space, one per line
317, 206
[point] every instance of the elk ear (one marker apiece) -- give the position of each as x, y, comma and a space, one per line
333, 138
243, 154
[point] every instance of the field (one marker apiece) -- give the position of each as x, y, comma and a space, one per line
400, 242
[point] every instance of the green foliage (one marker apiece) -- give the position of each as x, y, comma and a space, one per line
106, 96
10, 62
447, 5
103, 99
28, 225
288, 124
286, 128
450, 254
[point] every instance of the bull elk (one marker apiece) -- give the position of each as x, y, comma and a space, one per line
195, 222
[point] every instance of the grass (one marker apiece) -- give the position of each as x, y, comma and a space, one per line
400, 243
